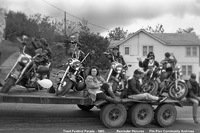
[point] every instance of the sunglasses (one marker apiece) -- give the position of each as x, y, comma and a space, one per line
193, 77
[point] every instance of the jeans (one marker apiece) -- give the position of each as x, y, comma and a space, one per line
195, 104
144, 96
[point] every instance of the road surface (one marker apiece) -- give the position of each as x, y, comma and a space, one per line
46, 118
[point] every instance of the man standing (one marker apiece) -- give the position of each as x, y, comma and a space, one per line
193, 95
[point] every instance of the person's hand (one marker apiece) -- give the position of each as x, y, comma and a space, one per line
139, 59
172, 54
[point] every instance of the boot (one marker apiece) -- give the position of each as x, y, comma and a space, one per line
113, 100
195, 119
112, 95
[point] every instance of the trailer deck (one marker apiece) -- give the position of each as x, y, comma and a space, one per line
23, 95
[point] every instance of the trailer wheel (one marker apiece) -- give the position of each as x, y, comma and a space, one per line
141, 115
85, 107
165, 115
113, 116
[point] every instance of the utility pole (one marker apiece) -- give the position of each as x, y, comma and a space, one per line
65, 23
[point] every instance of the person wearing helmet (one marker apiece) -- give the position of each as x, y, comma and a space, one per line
46, 48
78, 53
168, 64
98, 88
116, 56
193, 95
149, 62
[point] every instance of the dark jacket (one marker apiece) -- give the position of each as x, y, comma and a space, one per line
145, 63
118, 58
133, 86
171, 61
193, 89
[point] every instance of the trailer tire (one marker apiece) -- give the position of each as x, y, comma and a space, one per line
113, 115
85, 107
165, 115
8, 84
141, 115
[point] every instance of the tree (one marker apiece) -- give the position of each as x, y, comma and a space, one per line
159, 29
15, 24
92, 41
117, 34
187, 30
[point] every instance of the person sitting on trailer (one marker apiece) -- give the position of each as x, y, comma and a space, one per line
134, 91
193, 95
149, 62
98, 88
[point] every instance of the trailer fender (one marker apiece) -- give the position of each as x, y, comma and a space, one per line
99, 103
175, 102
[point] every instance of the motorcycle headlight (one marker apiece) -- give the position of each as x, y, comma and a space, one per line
76, 65
118, 69
24, 60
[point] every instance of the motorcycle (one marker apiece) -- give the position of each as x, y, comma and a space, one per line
28, 71
116, 75
149, 80
72, 77
175, 86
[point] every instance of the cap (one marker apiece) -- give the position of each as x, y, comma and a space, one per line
193, 76
137, 72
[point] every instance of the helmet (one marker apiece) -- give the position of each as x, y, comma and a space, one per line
151, 55
45, 83
80, 86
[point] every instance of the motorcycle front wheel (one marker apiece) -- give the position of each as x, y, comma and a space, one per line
8, 84
66, 88
151, 87
178, 93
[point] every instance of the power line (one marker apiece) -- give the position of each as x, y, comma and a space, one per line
75, 16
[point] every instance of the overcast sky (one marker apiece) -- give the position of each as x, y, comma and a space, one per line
130, 15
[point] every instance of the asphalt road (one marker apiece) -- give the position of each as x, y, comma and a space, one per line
43, 118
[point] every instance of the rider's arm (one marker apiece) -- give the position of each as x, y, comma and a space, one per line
91, 84
156, 64
102, 79
143, 64
123, 61
174, 58
163, 61
133, 86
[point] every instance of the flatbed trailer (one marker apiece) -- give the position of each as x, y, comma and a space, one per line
141, 113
